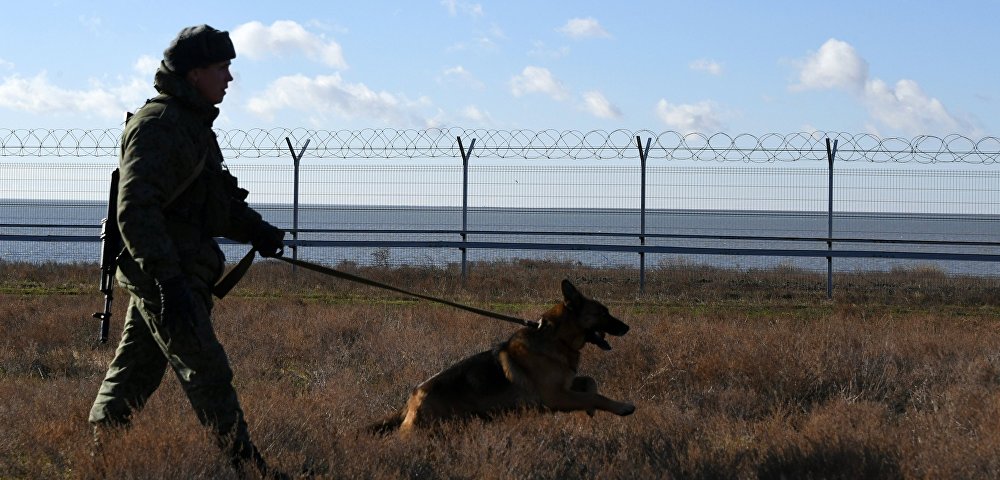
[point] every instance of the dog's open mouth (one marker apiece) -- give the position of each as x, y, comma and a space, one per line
597, 338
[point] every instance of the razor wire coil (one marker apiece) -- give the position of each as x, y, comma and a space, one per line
547, 144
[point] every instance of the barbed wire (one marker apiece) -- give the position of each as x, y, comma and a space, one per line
549, 144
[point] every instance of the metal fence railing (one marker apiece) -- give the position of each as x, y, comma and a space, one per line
817, 201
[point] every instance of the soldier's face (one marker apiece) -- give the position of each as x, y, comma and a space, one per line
211, 81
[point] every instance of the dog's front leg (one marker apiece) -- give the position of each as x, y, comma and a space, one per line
585, 384
568, 400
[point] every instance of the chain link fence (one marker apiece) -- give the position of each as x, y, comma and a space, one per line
619, 198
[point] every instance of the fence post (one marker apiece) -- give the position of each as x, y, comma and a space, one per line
295, 196
643, 155
831, 152
465, 197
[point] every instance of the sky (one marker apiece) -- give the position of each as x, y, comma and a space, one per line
890, 68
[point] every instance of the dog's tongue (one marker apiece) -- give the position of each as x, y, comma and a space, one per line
598, 339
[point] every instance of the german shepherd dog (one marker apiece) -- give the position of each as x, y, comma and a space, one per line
534, 369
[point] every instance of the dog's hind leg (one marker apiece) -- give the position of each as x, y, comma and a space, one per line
386, 425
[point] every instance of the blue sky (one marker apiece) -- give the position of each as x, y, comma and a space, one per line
893, 68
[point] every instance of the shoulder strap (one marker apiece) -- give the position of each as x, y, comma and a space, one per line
187, 181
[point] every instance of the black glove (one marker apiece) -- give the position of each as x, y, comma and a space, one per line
176, 302
268, 240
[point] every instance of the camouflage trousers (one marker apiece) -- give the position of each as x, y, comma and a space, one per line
195, 355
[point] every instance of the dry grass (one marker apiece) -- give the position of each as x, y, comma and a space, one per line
735, 375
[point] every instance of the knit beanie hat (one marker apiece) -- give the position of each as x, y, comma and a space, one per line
196, 47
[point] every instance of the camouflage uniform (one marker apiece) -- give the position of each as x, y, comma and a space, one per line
161, 146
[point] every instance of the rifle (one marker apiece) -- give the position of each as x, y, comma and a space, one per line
111, 246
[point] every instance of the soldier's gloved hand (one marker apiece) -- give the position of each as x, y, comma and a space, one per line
268, 240
176, 302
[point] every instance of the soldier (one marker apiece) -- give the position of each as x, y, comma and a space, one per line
175, 195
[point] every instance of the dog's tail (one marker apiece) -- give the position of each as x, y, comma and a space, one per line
387, 425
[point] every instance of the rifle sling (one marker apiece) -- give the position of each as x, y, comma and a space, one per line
232, 277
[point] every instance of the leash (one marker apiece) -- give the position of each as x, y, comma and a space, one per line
230, 279
367, 281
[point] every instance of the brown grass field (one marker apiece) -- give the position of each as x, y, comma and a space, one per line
735, 375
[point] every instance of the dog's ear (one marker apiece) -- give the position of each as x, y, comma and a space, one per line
571, 294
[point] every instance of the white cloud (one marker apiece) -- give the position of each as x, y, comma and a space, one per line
904, 107
701, 117
597, 105
101, 99
538, 80
474, 114
480, 44
583, 28
835, 65
286, 37
39, 96
907, 108
705, 65
4, 64
146, 65
540, 50
458, 75
326, 94
134, 92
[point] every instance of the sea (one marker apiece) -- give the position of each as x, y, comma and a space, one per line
39, 231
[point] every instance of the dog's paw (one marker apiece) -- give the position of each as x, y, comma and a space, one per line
625, 409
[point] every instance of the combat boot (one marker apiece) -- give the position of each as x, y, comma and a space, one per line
245, 455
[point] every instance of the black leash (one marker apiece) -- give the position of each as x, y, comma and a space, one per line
228, 281
367, 281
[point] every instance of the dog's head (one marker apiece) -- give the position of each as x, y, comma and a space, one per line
591, 316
